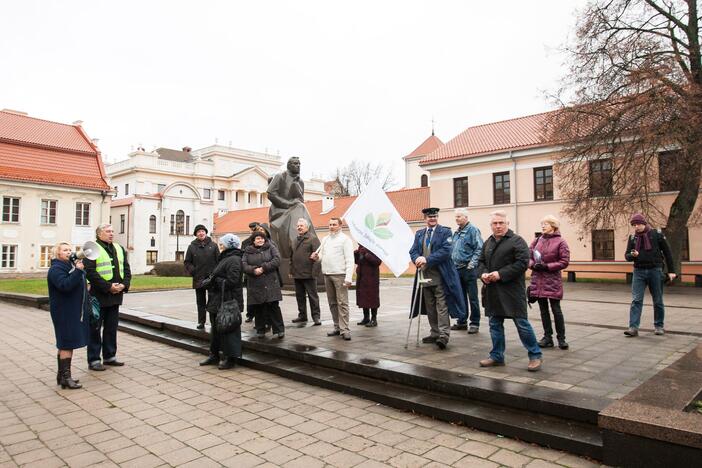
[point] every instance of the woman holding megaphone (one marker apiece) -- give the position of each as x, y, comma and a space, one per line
70, 308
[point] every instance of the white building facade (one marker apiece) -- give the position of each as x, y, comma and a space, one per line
163, 194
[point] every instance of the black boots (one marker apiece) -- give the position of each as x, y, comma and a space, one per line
373, 320
366, 318
65, 375
58, 372
227, 363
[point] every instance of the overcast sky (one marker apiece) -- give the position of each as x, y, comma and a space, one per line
328, 81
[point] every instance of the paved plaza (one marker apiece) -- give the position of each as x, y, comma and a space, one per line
162, 409
601, 361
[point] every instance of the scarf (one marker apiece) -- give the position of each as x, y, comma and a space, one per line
646, 237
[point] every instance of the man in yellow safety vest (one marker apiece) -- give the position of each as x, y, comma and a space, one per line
109, 278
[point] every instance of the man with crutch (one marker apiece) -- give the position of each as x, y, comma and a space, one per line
436, 280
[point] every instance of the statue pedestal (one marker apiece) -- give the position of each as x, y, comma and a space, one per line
289, 283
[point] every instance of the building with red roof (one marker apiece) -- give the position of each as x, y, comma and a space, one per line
53, 188
415, 175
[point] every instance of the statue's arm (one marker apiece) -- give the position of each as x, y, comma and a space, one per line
274, 194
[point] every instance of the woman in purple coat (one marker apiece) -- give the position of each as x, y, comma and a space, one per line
549, 255
367, 285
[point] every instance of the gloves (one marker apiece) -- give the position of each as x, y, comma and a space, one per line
539, 267
206, 282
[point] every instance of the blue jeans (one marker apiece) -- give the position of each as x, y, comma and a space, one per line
526, 334
653, 277
103, 336
469, 285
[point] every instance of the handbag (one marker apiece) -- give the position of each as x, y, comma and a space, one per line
228, 317
95, 310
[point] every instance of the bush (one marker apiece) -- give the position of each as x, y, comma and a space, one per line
171, 268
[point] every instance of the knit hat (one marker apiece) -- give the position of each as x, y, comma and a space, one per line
258, 234
199, 227
230, 241
637, 218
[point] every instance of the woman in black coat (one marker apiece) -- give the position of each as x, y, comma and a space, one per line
70, 309
367, 285
261, 261
224, 285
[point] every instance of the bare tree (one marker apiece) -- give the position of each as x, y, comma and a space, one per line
353, 178
632, 120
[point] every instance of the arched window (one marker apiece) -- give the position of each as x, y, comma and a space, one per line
424, 180
152, 224
180, 222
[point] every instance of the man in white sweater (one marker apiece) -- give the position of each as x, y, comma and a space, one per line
336, 254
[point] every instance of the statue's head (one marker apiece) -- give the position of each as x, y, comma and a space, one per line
294, 165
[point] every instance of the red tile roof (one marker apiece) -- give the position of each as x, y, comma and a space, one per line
35, 150
519, 133
409, 203
427, 146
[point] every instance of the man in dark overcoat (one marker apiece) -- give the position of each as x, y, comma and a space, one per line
109, 276
431, 254
503, 262
304, 272
200, 260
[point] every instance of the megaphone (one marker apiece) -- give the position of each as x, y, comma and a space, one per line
90, 250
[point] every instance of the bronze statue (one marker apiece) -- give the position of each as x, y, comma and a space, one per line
286, 194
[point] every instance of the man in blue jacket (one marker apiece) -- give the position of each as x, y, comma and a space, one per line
467, 245
431, 254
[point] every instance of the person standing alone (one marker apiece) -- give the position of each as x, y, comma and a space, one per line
109, 276
200, 260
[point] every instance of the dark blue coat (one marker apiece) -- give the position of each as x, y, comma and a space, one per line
68, 299
440, 258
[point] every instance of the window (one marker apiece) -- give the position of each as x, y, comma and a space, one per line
424, 181
670, 171
180, 222
121, 223
152, 224
48, 211
207, 193
248, 198
236, 196
187, 224
685, 250
82, 214
45, 256
126, 189
10, 210
460, 191
543, 183
601, 178
220, 194
260, 200
500, 188
603, 244
151, 257
9, 255
153, 242
116, 191
161, 187
172, 224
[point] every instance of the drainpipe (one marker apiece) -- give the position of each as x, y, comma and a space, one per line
516, 193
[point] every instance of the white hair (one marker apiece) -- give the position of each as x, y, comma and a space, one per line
307, 224
101, 228
499, 214
461, 212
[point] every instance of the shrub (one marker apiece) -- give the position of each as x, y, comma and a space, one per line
170, 268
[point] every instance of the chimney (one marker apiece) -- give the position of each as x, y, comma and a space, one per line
187, 149
78, 123
327, 203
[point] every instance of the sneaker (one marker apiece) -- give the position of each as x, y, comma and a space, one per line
459, 326
534, 365
632, 332
659, 331
546, 342
299, 320
473, 329
346, 337
489, 362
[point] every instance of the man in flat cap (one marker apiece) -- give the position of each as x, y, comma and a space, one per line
200, 259
431, 254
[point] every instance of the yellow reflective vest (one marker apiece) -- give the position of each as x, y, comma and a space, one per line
103, 264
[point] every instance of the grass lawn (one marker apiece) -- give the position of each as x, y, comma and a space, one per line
139, 282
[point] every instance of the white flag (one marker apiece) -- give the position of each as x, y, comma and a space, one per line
375, 223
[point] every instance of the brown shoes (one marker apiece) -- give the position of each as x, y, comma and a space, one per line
490, 363
534, 365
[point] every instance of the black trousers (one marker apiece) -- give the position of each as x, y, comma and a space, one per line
557, 317
103, 336
229, 344
268, 312
307, 288
201, 299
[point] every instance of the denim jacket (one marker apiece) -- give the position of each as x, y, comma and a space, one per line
467, 245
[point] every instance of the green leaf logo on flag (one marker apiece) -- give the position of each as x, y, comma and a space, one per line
378, 226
